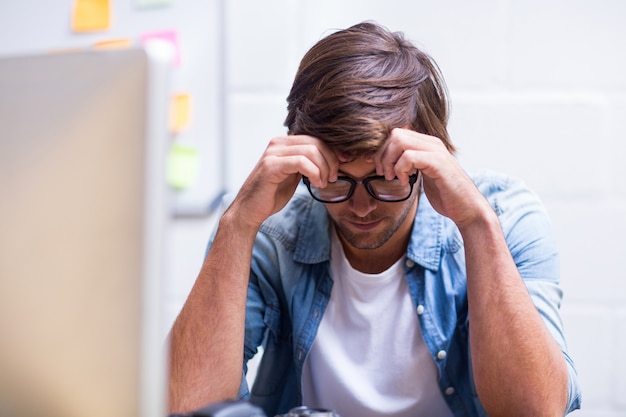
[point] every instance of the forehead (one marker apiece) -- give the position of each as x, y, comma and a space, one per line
358, 168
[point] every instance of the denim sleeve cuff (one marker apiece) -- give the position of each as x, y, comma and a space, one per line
244, 391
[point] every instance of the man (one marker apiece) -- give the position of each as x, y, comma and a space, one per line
391, 283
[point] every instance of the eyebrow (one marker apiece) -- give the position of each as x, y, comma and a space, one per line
372, 173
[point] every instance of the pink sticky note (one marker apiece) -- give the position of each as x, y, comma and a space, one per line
165, 35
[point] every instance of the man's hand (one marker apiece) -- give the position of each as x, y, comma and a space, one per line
448, 188
275, 177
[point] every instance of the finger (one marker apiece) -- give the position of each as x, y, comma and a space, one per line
392, 161
327, 162
387, 157
312, 148
332, 160
379, 158
274, 173
305, 155
405, 165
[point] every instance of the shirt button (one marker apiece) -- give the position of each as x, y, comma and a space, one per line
449, 391
409, 263
441, 354
300, 354
420, 310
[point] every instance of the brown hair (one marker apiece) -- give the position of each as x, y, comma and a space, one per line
355, 85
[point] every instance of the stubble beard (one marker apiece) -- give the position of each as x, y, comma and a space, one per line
373, 240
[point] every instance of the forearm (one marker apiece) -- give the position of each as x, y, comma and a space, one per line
207, 338
518, 367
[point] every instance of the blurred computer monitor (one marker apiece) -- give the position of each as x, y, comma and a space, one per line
82, 212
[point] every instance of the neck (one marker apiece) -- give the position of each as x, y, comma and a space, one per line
372, 261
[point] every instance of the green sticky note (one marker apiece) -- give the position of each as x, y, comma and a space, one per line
182, 166
148, 4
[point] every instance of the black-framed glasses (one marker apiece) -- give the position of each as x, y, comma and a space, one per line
389, 191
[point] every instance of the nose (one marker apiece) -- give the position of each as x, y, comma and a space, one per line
361, 203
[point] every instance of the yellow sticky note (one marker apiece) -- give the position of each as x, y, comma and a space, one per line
182, 166
91, 15
180, 112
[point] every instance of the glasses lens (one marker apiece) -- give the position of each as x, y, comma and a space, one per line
389, 190
334, 192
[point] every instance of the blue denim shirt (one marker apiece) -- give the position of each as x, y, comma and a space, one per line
291, 282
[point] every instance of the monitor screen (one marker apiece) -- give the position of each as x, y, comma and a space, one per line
82, 214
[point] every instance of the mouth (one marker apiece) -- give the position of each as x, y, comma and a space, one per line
364, 226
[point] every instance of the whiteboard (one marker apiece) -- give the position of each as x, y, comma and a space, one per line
35, 26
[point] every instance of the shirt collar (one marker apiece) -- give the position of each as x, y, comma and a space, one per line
426, 236
313, 238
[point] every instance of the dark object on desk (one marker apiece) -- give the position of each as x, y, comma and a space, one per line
310, 412
227, 409
245, 409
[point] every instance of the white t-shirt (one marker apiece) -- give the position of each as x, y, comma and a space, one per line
368, 358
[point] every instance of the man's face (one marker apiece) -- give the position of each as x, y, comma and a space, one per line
366, 223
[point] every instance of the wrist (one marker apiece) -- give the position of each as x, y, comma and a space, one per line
482, 220
238, 224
